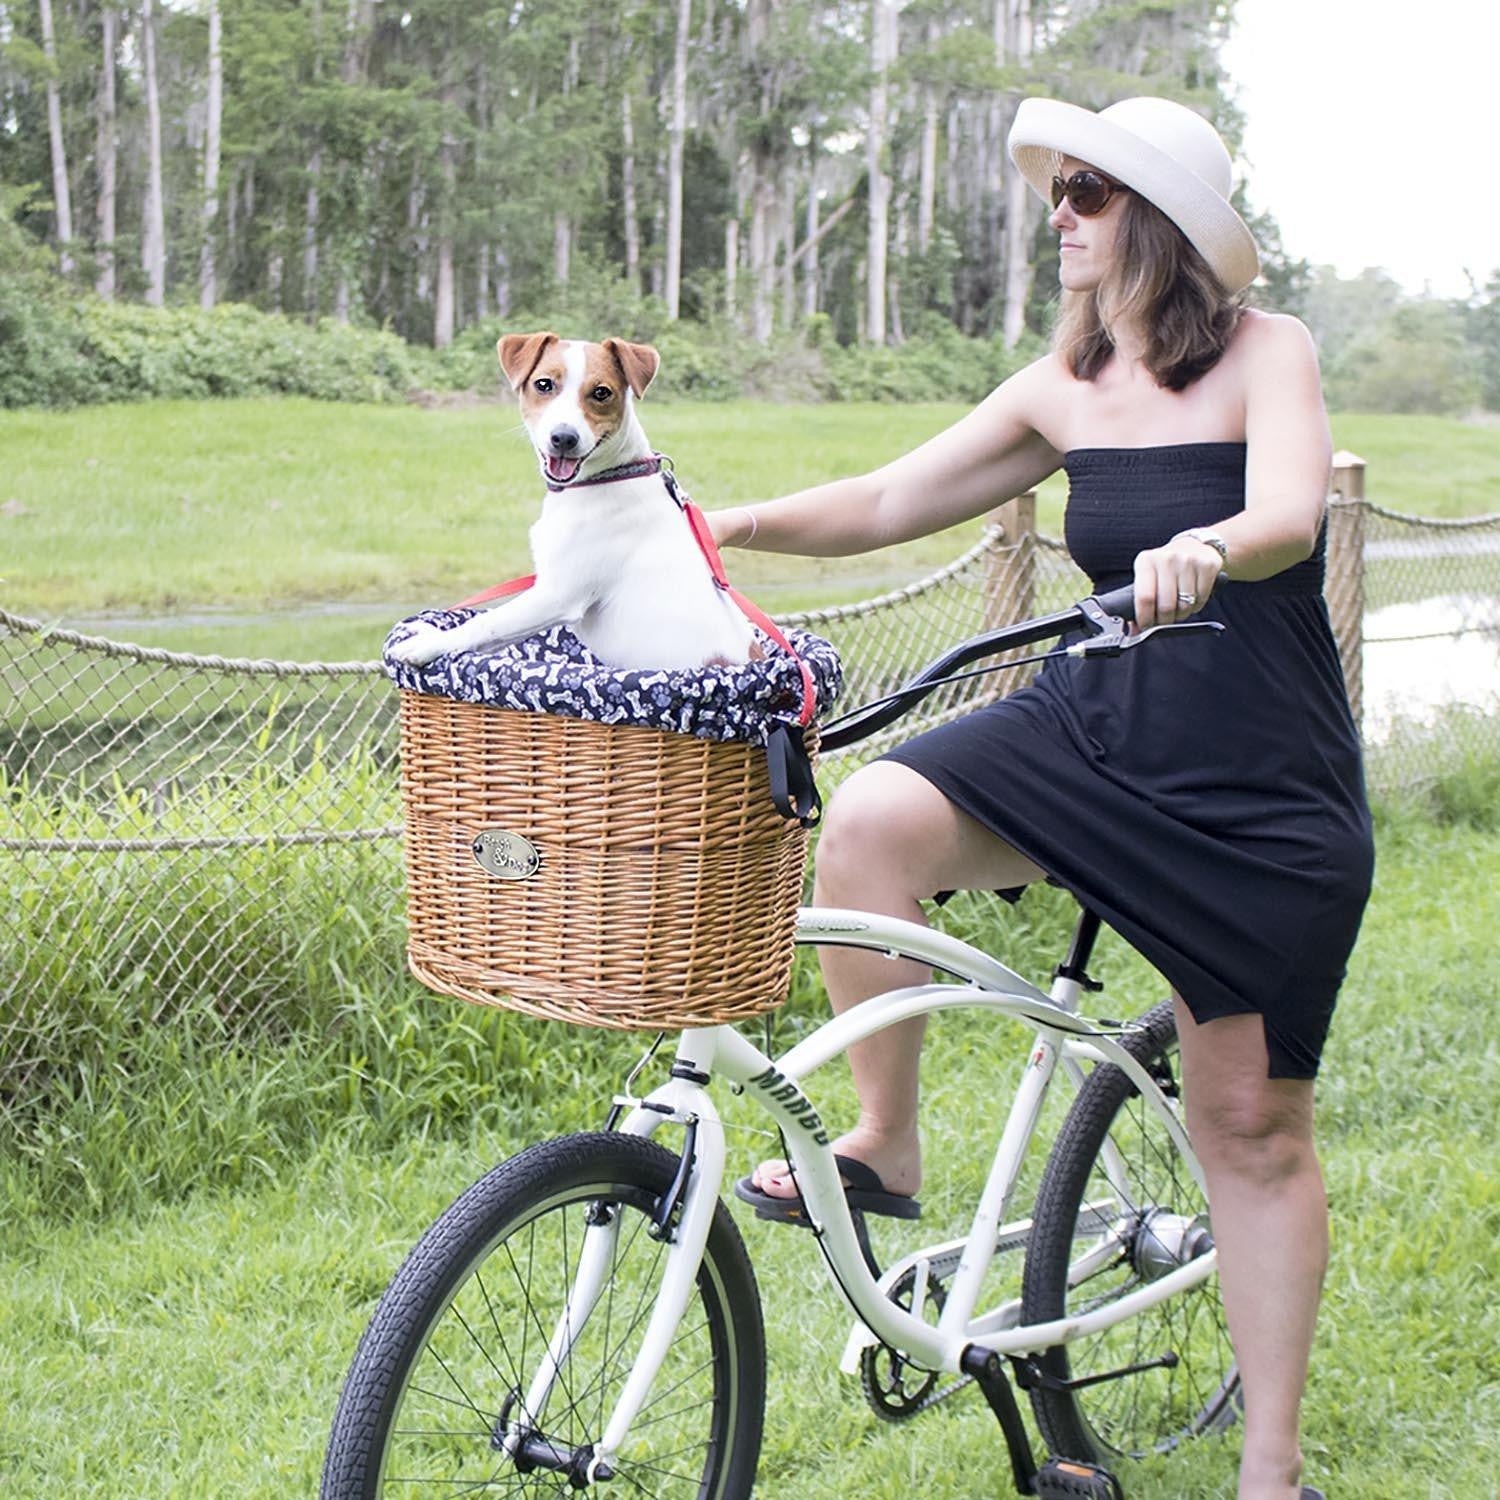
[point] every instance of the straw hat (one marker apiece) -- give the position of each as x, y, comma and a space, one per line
1171, 156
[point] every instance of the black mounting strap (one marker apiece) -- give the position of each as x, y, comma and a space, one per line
794, 788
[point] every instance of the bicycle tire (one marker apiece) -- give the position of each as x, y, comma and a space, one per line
461, 1328
1079, 1210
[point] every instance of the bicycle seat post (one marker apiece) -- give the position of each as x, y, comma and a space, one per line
1070, 977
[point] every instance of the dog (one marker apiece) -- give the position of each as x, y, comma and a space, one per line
615, 556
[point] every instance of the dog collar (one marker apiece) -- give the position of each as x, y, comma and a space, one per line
638, 468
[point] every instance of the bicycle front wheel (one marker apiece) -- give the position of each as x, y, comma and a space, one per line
1118, 1207
433, 1399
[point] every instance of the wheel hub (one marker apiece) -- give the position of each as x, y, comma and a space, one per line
1163, 1241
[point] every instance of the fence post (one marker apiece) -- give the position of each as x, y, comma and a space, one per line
1344, 582
1010, 573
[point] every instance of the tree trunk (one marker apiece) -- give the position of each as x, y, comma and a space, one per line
357, 21
893, 278
762, 253
562, 247
208, 284
627, 192
1017, 202
482, 283
310, 236
882, 54
787, 233
810, 266
153, 231
104, 284
443, 313
562, 225
927, 172
62, 203
674, 161
731, 267
502, 283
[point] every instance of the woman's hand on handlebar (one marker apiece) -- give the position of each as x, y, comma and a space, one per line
1173, 582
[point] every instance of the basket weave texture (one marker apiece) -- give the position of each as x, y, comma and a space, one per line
667, 886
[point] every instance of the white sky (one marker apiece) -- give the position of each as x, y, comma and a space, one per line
1371, 130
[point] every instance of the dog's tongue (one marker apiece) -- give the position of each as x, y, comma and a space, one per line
562, 469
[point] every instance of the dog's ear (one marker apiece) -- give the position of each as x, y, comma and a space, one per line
520, 353
638, 364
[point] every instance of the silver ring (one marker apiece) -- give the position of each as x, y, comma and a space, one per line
1186, 598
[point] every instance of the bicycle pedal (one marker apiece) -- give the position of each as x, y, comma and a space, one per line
1067, 1479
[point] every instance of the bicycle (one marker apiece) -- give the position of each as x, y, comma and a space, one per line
587, 1313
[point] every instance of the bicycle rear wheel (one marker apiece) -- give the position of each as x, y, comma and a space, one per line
452, 1349
1117, 1208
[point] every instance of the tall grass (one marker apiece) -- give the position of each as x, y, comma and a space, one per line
194, 1228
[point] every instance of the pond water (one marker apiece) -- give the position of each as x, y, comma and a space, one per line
1428, 655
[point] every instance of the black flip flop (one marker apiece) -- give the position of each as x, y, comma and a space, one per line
864, 1191
1309, 1493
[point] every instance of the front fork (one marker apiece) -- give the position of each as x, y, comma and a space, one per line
683, 1220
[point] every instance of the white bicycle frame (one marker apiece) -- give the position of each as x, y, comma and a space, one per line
1063, 1039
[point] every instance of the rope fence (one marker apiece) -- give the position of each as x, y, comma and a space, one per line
200, 836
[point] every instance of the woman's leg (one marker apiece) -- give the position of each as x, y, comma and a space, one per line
889, 841
1254, 1136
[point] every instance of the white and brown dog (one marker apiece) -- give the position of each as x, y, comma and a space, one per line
615, 557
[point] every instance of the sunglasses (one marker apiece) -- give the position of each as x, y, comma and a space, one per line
1088, 192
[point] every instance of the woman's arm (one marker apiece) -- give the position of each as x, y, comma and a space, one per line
1289, 456
984, 459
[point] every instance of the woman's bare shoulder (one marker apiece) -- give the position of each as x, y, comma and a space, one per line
1271, 336
1032, 393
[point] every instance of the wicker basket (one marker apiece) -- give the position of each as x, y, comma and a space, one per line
608, 875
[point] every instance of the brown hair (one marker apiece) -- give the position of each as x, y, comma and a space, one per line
1162, 285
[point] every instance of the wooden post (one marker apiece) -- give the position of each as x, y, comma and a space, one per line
1010, 574
1344, 582
1010, 583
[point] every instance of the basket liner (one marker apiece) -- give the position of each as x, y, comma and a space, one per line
553, 672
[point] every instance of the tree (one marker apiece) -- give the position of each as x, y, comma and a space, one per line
673, 276
62, 203
208, 286
105, 153
883, 42
153, 231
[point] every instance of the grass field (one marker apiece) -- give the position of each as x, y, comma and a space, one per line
300, 530
183, 1327
194, 1228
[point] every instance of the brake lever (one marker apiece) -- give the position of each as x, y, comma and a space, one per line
1112, 639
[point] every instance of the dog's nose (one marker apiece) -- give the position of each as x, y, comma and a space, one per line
564, 439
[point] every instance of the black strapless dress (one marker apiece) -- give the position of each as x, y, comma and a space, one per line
1204, 796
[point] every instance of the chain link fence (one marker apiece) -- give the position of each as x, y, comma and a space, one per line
190, 835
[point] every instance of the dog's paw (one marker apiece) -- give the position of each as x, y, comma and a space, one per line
425, 644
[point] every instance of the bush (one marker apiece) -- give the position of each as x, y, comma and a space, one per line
62, 347
91, 350
1415, 361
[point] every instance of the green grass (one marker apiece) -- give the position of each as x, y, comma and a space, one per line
217, 1222
183, 523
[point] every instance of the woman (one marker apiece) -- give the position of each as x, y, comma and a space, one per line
1206, 799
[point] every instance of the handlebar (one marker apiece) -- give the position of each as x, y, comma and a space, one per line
1104, 614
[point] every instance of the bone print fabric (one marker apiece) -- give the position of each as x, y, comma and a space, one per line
553, 672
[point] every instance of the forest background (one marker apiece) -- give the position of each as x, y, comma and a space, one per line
803, 200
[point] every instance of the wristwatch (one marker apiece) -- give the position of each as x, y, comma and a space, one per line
1210, 539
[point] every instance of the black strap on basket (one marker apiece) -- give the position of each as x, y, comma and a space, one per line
794, 788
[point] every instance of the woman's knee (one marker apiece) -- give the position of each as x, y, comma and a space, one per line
877, 824
1260, 1130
